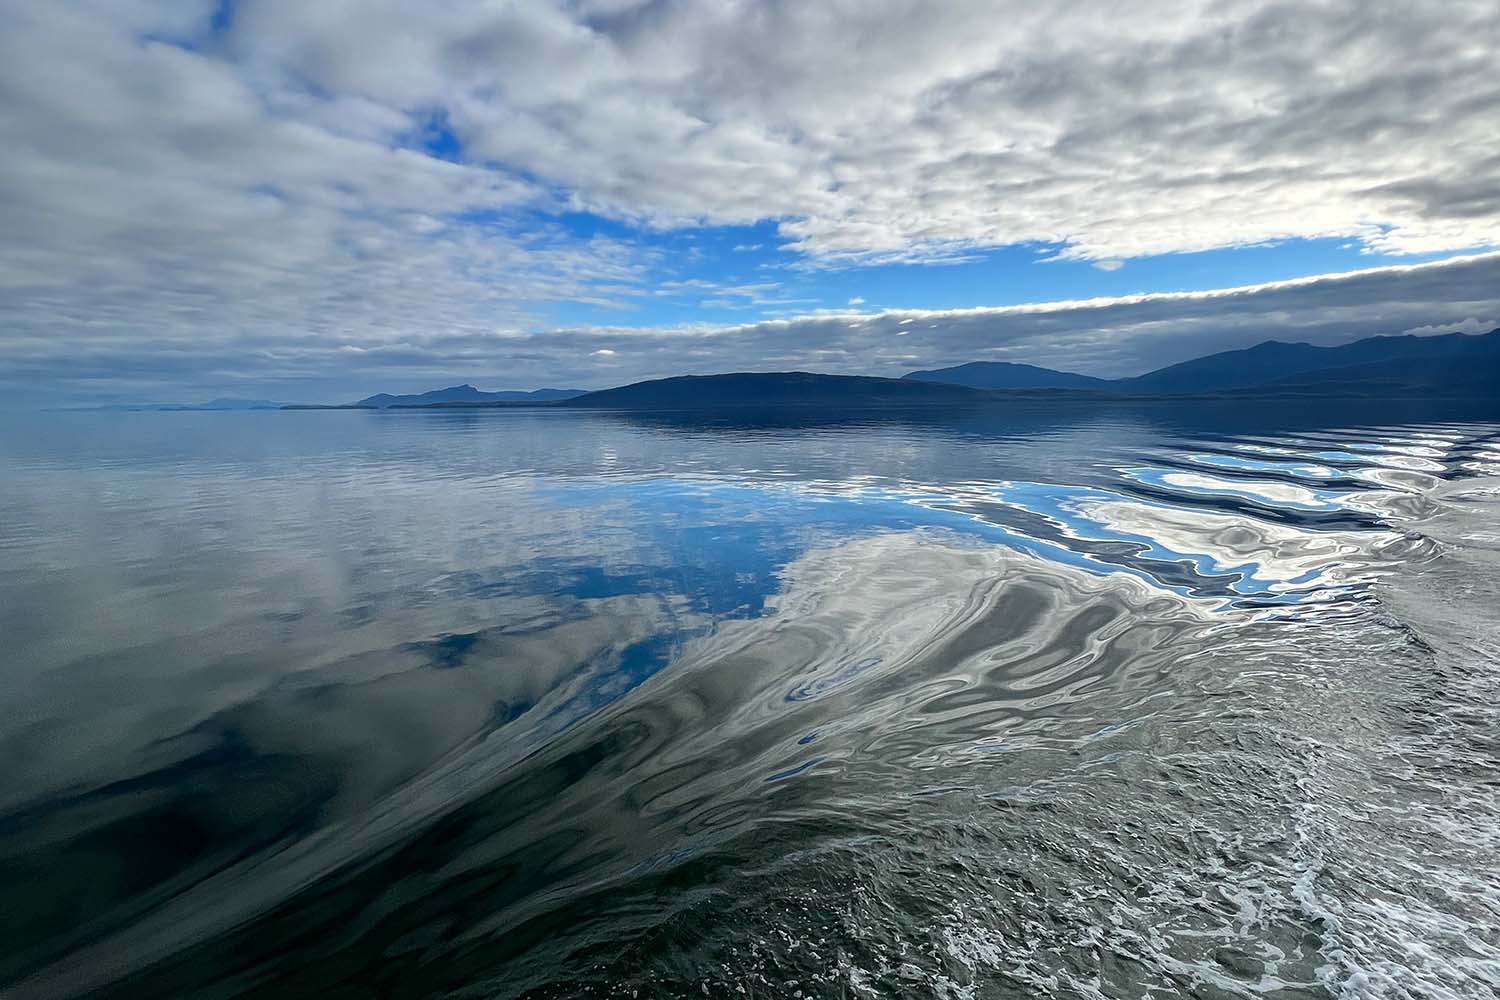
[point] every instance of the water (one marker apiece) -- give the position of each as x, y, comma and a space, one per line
1031, 701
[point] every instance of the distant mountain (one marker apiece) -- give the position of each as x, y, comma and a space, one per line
1403, 377
1364, 367
1455, 364
213, 404
224, 404
1277, 362
461, 394
1006, 375
776, 389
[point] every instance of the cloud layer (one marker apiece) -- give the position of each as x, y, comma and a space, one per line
903, 127
1107, 337
269, 190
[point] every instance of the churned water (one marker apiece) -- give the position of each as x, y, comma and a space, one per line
1021, 701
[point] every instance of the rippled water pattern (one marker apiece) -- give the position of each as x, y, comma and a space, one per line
1034, 702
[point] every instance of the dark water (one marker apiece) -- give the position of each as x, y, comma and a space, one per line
1022, 702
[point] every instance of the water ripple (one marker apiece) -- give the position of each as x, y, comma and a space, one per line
559, 706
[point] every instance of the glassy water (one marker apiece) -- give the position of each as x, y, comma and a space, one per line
1013, 702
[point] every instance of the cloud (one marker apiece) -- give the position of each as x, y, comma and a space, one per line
1111, 131
1467, 325
856, 301
1109, 265
1121, 335
189, 205
728, 295
151, 193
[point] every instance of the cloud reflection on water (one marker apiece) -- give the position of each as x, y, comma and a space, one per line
249, 670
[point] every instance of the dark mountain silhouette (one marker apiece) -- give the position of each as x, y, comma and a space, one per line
1006, 375
213, 404
1403, 377
1274, 361
1453, 364
776, 389
1365, 367
465, 394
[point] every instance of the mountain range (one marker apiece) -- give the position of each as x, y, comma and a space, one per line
465, 394
1266, 366
211, 405
776, 389
1377, 367
1454, 364
1008, 375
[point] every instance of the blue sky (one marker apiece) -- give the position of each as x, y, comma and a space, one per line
748, 257
318, 201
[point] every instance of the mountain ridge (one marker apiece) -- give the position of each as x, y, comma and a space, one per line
1261, 365
461, 394
1371, 367
795, 388
1008, 375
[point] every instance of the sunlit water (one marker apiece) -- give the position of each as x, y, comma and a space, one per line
1069, 702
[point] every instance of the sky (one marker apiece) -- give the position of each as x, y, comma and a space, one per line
316, 201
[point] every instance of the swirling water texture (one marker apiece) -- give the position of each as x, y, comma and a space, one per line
1101, 703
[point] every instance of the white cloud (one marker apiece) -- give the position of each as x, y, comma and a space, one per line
856, 301
1110, 264
179, 205
1115, 130
1121, 335
1468, 325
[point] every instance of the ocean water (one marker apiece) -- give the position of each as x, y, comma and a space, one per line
1020, 701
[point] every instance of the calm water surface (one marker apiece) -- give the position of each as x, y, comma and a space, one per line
1060, 702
